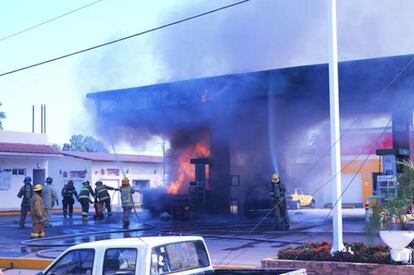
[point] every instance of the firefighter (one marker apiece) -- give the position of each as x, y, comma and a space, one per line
38, 212
102, 195
25, 193
277, 195
49, 198
68, 191
84, 200
126, 201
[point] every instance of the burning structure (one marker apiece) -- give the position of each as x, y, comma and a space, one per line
231, 132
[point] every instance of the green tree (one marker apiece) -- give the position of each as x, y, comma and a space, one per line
84, 144
2, 117
56, 147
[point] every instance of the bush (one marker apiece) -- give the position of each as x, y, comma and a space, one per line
361, 253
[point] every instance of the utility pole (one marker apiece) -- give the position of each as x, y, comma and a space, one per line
338, 244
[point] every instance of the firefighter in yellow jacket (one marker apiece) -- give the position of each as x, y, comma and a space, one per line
126, 201
38, 212
278, 198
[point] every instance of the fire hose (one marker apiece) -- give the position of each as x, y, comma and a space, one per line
135, 210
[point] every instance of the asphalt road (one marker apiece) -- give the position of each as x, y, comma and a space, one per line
231, 241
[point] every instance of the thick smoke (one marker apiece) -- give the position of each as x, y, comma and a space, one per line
277, 130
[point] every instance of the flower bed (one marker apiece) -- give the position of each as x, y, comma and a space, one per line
358, 253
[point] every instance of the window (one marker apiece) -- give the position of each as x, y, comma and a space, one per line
74, 262
178, 257
235, 180
18, 171
234, 207
120, 261
140, 184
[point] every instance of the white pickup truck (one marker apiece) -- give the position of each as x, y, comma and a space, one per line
147, 255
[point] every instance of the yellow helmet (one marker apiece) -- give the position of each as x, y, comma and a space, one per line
275, 177
38, 187
125, 181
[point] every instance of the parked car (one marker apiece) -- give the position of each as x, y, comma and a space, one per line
296, 199
147, 255
257, 202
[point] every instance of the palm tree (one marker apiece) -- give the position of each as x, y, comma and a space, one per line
2, 116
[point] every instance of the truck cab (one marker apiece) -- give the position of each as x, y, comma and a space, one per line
130, 256
145, 256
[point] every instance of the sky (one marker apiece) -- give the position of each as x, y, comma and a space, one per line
258, 35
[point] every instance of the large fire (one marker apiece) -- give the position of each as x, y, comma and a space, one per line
186, 170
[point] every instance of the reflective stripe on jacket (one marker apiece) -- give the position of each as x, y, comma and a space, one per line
102, 192
126, 196
68, 191
37, 209
26, 192
84, 193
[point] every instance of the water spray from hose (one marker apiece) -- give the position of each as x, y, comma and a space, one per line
272, 127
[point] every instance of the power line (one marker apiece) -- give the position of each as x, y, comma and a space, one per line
355, 121
126, 37
334, 204
365, 160
363, 151
48, 21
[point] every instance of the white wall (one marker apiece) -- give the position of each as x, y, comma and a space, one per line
23, 137
60, 170
134, 171
352, 195
8, 198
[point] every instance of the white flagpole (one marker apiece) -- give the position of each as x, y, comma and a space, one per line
335, 129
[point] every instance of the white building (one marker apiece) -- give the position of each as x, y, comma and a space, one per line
28, 154
22, 154
142, 171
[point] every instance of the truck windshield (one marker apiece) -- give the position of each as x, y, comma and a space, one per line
120, 261
74, 262
178, 257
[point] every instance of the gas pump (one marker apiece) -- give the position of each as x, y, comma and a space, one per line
386, 184
198, 187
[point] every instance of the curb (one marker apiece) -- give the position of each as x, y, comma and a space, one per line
25, 263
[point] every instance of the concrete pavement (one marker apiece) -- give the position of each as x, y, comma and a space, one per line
231, 241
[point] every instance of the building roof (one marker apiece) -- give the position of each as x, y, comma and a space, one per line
112, 157
24, 148
359, 81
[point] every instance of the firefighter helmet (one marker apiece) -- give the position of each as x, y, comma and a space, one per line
27, 180
98, 182
275, 177
85, 183
49, 180
70, 182
38, 187
125, 181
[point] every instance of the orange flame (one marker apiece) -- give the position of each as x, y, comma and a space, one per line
186, 170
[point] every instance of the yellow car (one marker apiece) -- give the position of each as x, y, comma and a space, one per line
297, 199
